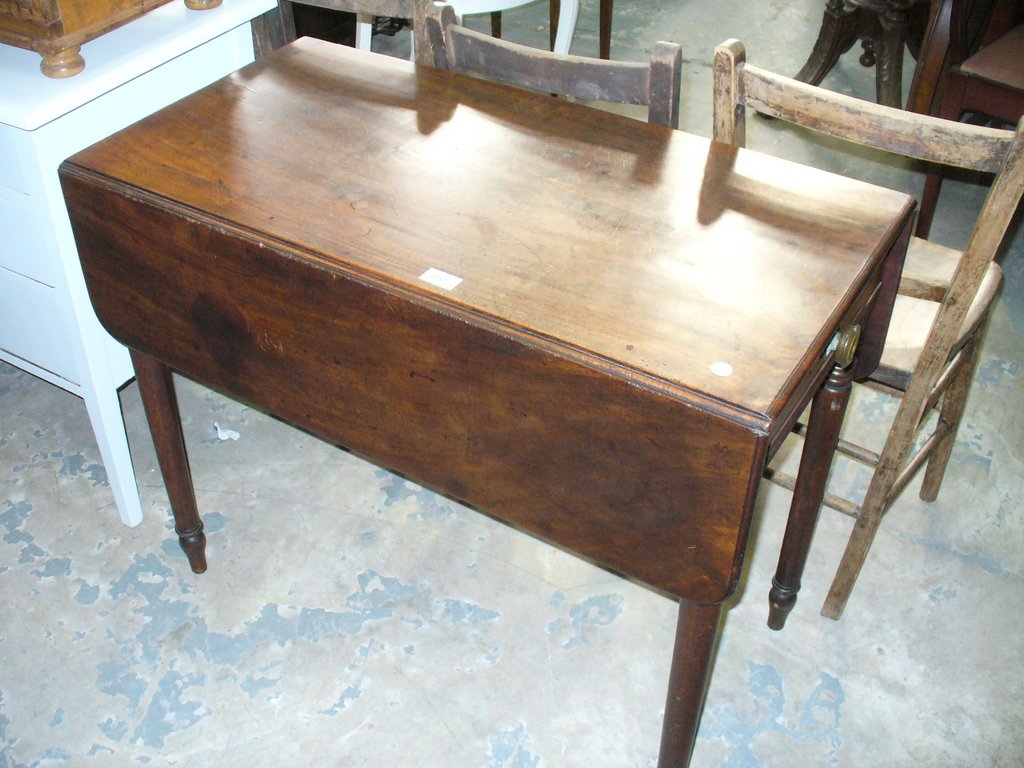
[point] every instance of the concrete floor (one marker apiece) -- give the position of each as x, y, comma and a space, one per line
351, 618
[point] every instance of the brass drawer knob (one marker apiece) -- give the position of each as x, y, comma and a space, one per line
846, 346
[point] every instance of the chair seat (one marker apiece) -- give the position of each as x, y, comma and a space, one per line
928, 269
912, 317
1001, 62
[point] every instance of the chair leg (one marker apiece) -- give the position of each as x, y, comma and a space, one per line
876, 502
929, 199
268, 32
496, 24
284, 8
837, 35
863, 535
554, 12
954, 401
605, 30
364, 32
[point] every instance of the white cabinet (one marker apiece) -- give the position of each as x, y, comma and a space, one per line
47, 326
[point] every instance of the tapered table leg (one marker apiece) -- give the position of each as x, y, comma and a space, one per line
694, 652
156, 386
826, 419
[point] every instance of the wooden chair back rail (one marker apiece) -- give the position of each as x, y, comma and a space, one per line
845, 117
656, 84
586, 78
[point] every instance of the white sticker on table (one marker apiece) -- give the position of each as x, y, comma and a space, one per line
440, 278
721, 369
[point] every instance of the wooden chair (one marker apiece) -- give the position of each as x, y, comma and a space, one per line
988, 82
604, 26
945, 295
655, 84
563, 16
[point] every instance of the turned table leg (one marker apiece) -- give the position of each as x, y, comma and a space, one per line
696, 634
161, 405
823, 427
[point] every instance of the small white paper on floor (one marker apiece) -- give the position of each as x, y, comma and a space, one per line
225, 434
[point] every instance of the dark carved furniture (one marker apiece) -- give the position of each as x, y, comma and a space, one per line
552, 313
884, 28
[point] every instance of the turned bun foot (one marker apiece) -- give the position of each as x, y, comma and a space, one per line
193, 544
63, 63
780, 602
202, 5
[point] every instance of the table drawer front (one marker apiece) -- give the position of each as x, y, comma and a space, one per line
25, 245
32, 325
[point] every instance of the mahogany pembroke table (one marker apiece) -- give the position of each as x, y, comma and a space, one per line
591, 328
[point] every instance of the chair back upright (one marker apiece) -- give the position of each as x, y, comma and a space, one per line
448, 45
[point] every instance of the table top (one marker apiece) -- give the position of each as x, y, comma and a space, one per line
29, 99
713, 274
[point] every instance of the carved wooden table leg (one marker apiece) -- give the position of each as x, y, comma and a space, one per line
696, 633
826, 419
889, 52
157, 388
837, 35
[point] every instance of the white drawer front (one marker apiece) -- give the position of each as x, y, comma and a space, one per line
26, 246
12, 166
32, 325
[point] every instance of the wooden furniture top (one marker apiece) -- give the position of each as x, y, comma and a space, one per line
712, 274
